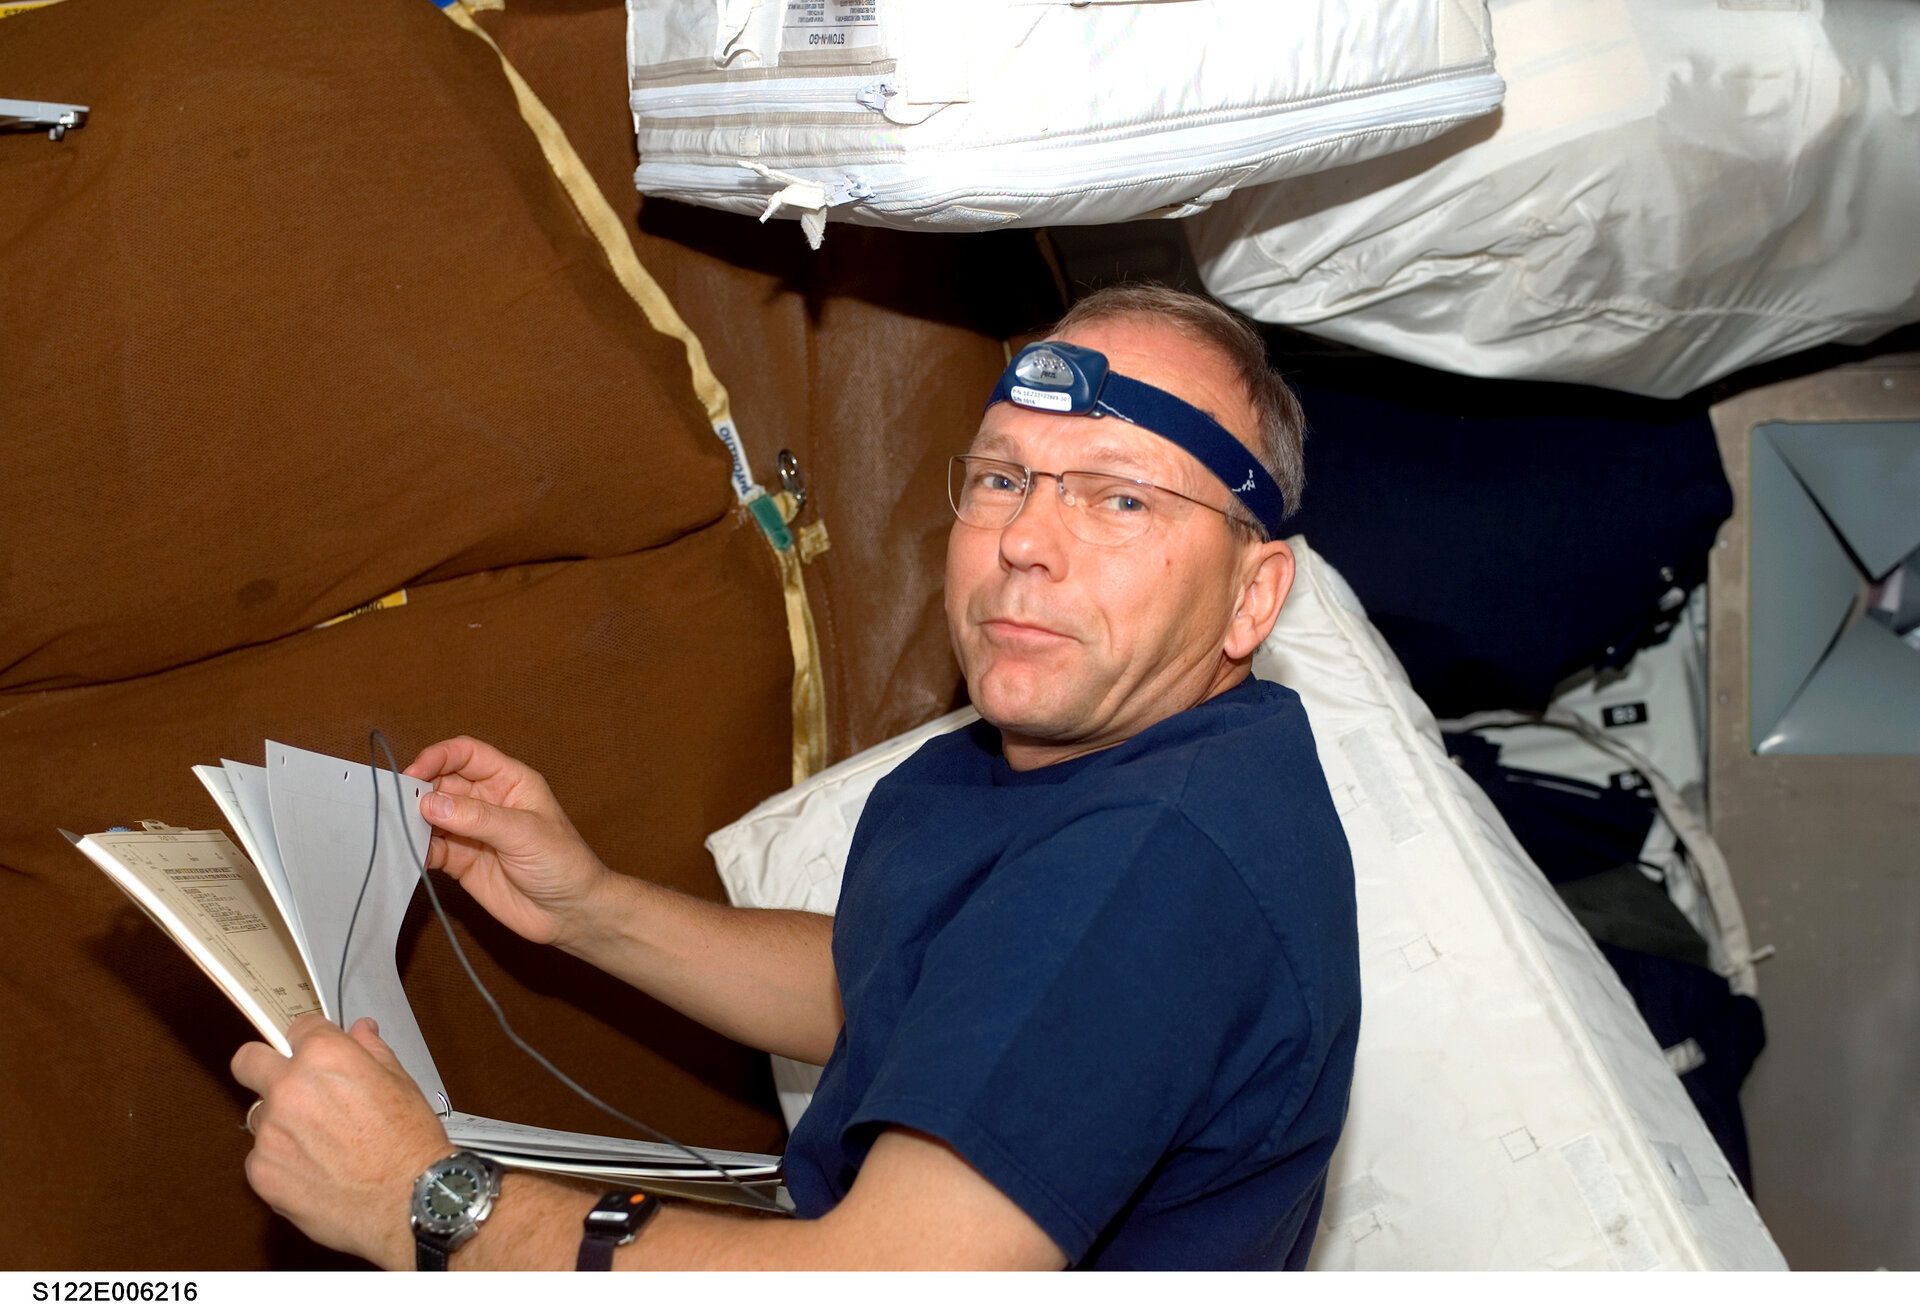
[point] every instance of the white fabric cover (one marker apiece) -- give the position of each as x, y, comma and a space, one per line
1510, 1108
970, 114
1673, 189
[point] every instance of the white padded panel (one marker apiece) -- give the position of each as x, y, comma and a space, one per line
971, 114
1510, 1108
1673, 190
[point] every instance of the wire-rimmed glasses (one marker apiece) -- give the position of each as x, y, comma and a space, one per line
1101, 508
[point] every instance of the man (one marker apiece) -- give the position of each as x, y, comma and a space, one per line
1092, 994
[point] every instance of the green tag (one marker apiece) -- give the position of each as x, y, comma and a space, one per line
767, 513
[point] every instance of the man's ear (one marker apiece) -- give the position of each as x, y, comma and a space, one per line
1266, 578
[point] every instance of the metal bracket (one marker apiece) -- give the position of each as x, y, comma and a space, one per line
32, 115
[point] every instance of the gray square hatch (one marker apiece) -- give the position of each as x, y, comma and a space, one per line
1835, 531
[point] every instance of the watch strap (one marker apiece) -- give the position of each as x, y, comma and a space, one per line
429, 1253
615, 1220
596, 1253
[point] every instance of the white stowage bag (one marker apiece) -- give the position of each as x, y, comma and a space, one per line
1510, 1108
970, 114
1673, 190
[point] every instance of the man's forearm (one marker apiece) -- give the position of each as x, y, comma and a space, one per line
761, 977
537, 1226
916, 1203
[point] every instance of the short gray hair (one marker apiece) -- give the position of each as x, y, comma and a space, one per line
1282, 433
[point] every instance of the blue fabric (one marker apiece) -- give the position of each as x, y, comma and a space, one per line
1172, 418
1505, 535
1125, 987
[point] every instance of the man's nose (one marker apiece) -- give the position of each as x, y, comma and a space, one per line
1038, 536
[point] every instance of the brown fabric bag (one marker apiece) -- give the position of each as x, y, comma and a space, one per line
300, 316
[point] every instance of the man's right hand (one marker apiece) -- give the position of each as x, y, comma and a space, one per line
763, 978
499, 832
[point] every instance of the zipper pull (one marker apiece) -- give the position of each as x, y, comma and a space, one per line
874, 95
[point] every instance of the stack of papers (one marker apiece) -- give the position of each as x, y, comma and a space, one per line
270, 928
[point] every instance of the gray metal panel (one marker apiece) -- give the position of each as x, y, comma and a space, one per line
1863, 698
1803, 586
1822, 849
1866, 475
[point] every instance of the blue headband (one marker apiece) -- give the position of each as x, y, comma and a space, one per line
1053, 377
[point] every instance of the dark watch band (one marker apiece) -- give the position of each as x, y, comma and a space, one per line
614, 1220
429, 1254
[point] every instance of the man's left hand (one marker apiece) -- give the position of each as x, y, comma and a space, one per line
342, 1133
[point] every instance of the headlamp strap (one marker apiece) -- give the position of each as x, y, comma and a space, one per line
1054, 377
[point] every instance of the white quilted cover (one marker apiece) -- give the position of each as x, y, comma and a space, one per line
1510, 1108
1673, 190
970, 114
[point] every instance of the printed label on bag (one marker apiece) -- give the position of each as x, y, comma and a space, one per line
1630, 781
831, 24
1624, 714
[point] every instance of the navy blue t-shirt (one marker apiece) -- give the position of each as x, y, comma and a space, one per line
1125, 987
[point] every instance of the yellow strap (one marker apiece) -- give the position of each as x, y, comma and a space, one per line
606, 227
809, 696
14, 8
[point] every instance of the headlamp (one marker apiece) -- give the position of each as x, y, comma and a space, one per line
1055, 377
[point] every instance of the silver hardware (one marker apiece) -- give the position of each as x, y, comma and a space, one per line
791, 480
32, 115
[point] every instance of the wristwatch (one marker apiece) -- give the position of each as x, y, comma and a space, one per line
614, 1220
450, 1200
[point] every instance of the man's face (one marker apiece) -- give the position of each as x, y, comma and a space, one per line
1067, 646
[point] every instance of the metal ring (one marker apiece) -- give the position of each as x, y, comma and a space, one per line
258, 1103
791, 479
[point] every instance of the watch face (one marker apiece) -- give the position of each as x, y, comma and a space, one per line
453, 1195
451, 1192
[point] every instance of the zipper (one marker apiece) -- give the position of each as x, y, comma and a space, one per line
862, 94
1029, 169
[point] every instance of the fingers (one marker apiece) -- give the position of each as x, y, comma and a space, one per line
307, 1026
506, 829
317, 1044
366, 1033
257, 1066
463, 756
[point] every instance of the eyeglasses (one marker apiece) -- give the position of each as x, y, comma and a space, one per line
1101, 508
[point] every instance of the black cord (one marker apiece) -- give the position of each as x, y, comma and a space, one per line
340, 979
376, 738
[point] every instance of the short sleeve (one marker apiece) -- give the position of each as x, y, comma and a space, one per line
1092, 1008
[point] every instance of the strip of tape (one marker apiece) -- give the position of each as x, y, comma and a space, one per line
1606, 1201
1370, 769
1686, 1182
